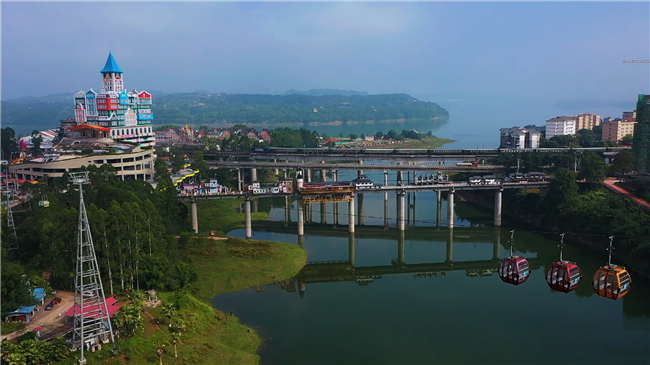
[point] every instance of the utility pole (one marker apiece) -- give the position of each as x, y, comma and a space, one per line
92, 324
13, 238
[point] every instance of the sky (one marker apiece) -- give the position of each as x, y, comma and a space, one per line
568, 54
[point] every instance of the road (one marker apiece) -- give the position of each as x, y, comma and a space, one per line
49, 320
610, 182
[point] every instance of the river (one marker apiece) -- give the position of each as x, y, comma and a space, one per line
376, 314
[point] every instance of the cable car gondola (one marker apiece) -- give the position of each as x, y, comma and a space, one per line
564, 276
513, 269
612, 281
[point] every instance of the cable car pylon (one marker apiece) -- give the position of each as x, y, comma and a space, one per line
514, 269
612, 281
563, 276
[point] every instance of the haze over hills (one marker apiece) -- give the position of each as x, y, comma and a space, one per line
257, 110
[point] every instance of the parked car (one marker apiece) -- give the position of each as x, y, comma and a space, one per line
49, 306
55, 301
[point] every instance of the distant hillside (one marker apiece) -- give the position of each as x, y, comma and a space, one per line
27, 114
324, 92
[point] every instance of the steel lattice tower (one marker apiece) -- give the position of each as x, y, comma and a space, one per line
94, 326
13, 243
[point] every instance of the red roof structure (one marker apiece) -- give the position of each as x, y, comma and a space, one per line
90, 310
330, 140
89, 126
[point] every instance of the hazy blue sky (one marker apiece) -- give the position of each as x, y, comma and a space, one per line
553, 52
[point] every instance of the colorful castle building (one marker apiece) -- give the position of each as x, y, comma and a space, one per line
127, 114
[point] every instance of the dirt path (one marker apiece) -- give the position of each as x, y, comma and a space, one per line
49, 320
611, 184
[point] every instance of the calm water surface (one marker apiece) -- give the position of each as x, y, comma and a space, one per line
363, 307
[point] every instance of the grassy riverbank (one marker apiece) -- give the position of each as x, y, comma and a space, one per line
427, 142
221, 216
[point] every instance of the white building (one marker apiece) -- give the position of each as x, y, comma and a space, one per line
519, 138
561, 126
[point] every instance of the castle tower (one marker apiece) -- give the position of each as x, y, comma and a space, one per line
112, 76
128, 114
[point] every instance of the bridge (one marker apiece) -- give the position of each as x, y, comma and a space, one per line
306, 198
360, 166
390, 154
346, 270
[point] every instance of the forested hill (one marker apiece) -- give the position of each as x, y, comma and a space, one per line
252, 109
323, 92
27, 114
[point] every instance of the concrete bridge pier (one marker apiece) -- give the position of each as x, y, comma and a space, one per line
385, 210
301, 218
323, 213
253, 175
399, 177
351, 248
195, 216
254, 202
386, 181
400, 248
336, 214
247, 210
360, 172
277, 171
450, 247
239, 180
351, 215
335, 175
287, 210
408, 208
438, 207
414, 195
286, 174
450, 208
310, 217
400, 211
497, 207
301, 241
360, 209
323, 175
308, 175
496, 250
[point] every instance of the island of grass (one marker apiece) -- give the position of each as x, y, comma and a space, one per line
426, 142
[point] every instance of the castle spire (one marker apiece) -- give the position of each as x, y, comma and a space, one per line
111, 65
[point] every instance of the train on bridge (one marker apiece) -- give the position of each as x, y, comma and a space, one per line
400, 151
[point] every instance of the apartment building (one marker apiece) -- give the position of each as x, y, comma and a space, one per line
587, 121
615, 130
561, 126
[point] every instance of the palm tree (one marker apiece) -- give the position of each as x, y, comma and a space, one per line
181, 326
160, 352
174, 341
169, 312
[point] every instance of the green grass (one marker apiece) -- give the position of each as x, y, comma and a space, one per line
8, 327
220, 215
236, 264
428, 142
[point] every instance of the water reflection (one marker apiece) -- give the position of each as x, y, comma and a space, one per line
428, 294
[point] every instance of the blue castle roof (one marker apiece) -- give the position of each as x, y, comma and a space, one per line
111, 65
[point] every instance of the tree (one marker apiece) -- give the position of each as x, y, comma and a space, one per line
592, 168
379, 135
37, 139
178, 161
161, 169
562, 191
16, 291
180, 326
627, 140
392, 134
362, 136
8, 143
174, 340
586, 138
622, 163
353, 136
169, 311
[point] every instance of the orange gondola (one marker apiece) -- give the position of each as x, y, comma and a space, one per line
564, 276
612, 281
514, 269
